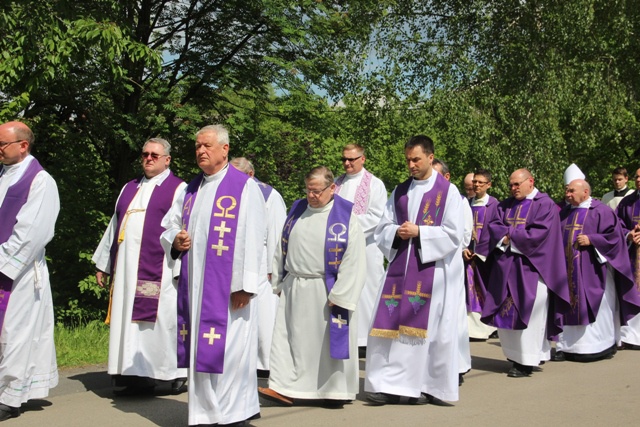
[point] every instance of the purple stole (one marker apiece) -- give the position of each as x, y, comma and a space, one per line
13, 201
335, 245
516, 218
361, 198
151, 259
475, 293
406, 296
265, 188
574, 226
218, 272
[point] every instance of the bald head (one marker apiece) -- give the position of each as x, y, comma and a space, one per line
468, 185
521, 183
16, 140
577, 192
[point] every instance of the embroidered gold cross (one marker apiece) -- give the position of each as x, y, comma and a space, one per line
211, 336
515, 220
340, 321
336, 251
417, 291
222, 229
392, 295
220, 247
184, 332
477, 225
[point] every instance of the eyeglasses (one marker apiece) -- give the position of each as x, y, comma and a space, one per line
154, 156
316, 193
348, 159
3, 145
517, 184
475, 181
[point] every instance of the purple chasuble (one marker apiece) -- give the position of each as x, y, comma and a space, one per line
335, 246
265, 188
13, 201
405, 301
607, 237
218, 272
150, 262
533, 226
475, 270
361, 198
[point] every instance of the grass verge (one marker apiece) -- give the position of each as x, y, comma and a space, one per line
82, 345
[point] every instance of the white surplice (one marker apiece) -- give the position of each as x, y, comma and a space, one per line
301, 364
266, 300
233, 395
430, 366
375, 260
28, 366
143, 349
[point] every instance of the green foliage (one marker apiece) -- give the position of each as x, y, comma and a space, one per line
83, 345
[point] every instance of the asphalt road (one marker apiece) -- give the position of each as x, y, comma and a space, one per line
605, 393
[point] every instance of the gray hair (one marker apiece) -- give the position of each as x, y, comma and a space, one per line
243, 165
320, 172
220, 131
165, 144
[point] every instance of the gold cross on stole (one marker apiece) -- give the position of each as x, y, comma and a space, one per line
211, 335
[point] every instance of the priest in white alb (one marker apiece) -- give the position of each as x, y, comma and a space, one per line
216, 228
368, 195
29, 206
142, 309
266, 300
319, 271
412, 353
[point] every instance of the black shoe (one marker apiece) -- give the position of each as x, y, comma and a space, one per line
383, 399
559, 356
516, 373
134, 391
494, 334
626, 346
7, 412
335, 403
432, 400
179, 386
422, 400
263, 373
460, 379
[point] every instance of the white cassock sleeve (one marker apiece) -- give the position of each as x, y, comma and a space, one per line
387, 228
102, 255
34, 227
276, 215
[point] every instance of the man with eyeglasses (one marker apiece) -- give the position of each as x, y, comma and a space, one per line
266, 300
412, 352
130, 258
527, 290
484, 208
368, 195
629, 213
319, 271
29, 206
216, 228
